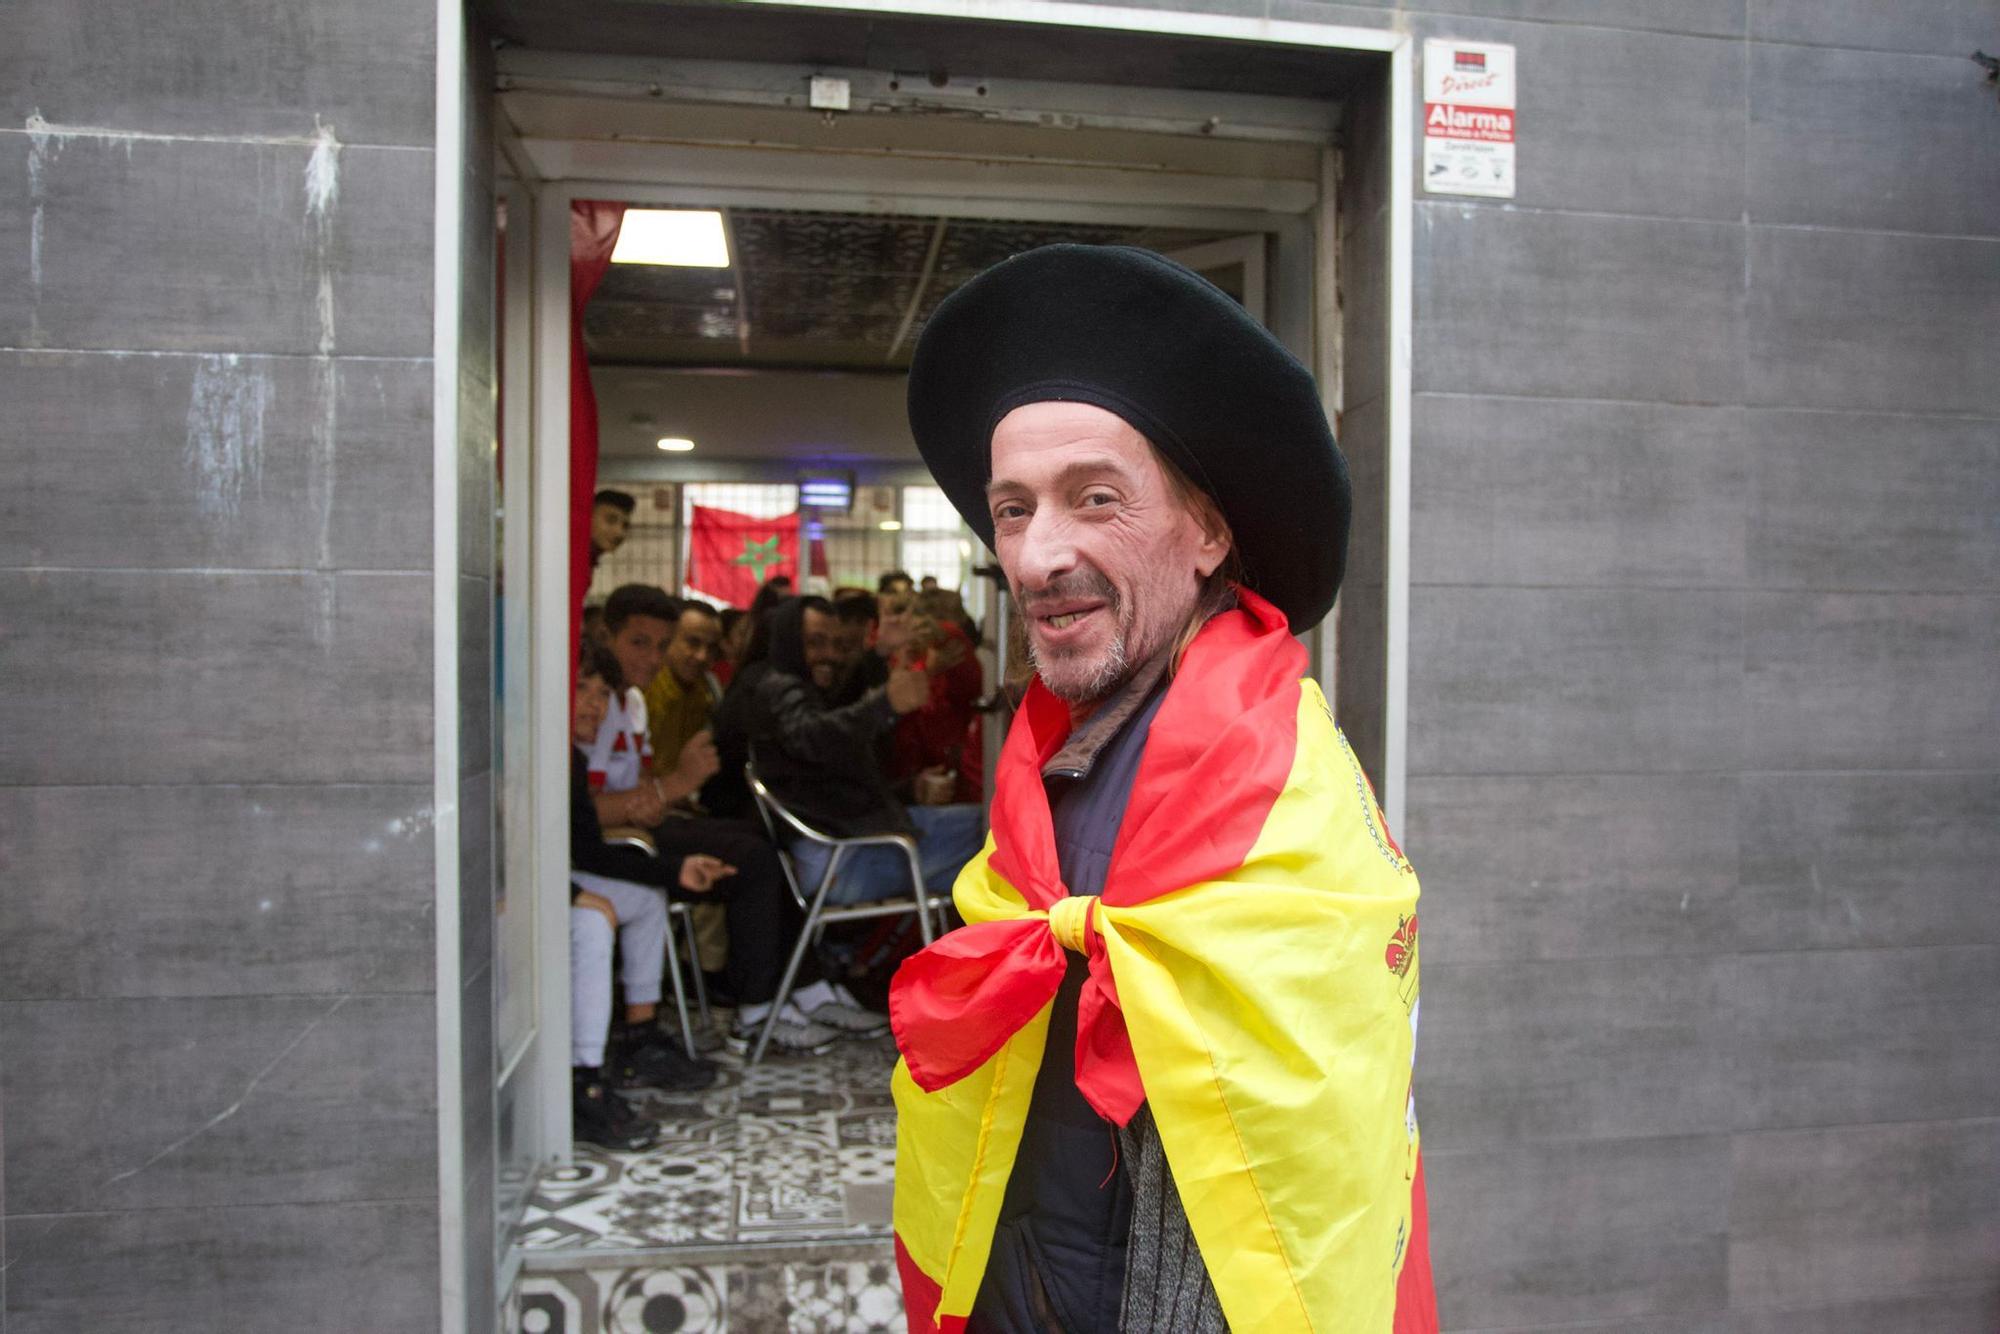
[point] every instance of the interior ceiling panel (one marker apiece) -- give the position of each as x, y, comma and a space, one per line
816, 290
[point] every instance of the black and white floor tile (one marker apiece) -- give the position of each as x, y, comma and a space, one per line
794, 1149
840, 1297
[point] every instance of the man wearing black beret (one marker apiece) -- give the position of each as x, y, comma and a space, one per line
1162, 1079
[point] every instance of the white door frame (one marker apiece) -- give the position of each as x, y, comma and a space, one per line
551, 668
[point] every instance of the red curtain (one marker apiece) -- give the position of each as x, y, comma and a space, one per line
593, 231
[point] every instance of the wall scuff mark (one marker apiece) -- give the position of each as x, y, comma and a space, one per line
43, 146
225, 432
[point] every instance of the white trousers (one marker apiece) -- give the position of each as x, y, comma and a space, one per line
642, 929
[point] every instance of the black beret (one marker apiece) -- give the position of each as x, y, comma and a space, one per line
1138, 335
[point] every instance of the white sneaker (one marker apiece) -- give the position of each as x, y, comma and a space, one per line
794, 1035
852, 1020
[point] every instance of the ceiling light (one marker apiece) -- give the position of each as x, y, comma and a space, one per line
890, 526
689, 238
675, 444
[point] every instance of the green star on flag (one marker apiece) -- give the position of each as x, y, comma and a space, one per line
730, 554
759, 556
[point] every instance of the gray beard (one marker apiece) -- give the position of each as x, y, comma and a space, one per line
1110, 674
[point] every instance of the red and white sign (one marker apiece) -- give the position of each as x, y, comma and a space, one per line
1469, 118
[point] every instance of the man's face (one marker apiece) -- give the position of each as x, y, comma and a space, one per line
593, 701
850, 641
898, 588
1104, 560
697, 636
822, 647
640, 645
607, 528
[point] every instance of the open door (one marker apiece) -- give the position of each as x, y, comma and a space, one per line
1236, 265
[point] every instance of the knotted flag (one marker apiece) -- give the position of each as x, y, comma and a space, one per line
1253, 977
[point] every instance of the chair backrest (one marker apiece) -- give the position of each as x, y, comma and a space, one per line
774, 814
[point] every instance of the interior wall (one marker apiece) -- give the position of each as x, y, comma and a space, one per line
217, 1028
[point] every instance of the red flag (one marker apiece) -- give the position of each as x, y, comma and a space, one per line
730, 555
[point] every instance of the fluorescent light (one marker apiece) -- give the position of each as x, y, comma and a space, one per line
675, 444
890, 526
688, 238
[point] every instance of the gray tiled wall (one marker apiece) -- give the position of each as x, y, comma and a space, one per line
1704, 720
217, 1020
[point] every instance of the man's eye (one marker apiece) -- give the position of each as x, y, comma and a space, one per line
1099, 499
1010, 511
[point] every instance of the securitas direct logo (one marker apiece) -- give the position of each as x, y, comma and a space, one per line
1472, 61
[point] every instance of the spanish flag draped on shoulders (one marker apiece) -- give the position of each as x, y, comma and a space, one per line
1253, 965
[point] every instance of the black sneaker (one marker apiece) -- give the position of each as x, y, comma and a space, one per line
646, 1057
717, 987
597, 1117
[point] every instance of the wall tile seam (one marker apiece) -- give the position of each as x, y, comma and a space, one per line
1720, 1136
427, 1197
1963, 946
116, 134
1742, 219
303, 1202
338, 993
1974, 1288
1517, 963
353, 784
1909, 1123
1977, 417
1831, 772
1635, 586
364, 358
1393, 19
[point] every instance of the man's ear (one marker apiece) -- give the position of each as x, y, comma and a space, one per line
1215, 545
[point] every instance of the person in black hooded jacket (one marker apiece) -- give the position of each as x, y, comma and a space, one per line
824, 762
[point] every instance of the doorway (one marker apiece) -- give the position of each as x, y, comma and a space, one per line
1275, 199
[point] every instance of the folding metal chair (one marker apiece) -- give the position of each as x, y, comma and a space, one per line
682, 913
785, 827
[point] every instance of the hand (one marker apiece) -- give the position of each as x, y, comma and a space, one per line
701, 872
597, 903
697, 763
909, 689
892, 632
935, 786
644, 804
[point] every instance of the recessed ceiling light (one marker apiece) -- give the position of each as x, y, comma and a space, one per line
685, 237
675, 444
890, 526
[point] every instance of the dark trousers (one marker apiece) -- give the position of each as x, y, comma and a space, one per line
764, 919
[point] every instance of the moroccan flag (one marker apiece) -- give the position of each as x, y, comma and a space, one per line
1253, 980
730, 555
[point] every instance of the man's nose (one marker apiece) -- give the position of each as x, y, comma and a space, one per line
1045, 552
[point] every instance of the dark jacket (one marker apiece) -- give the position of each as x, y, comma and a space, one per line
824, 763
1058, 1259
589, 852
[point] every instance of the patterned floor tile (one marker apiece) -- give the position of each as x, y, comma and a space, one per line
792, 1149
835, 1297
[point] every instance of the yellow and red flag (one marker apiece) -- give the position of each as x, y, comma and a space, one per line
1253, 977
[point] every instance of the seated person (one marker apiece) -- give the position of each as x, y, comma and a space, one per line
861, 666
681, 696
824, 762
598, 906
938, 755
679, 702
762, 919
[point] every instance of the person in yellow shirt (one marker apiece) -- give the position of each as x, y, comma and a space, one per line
681, 699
